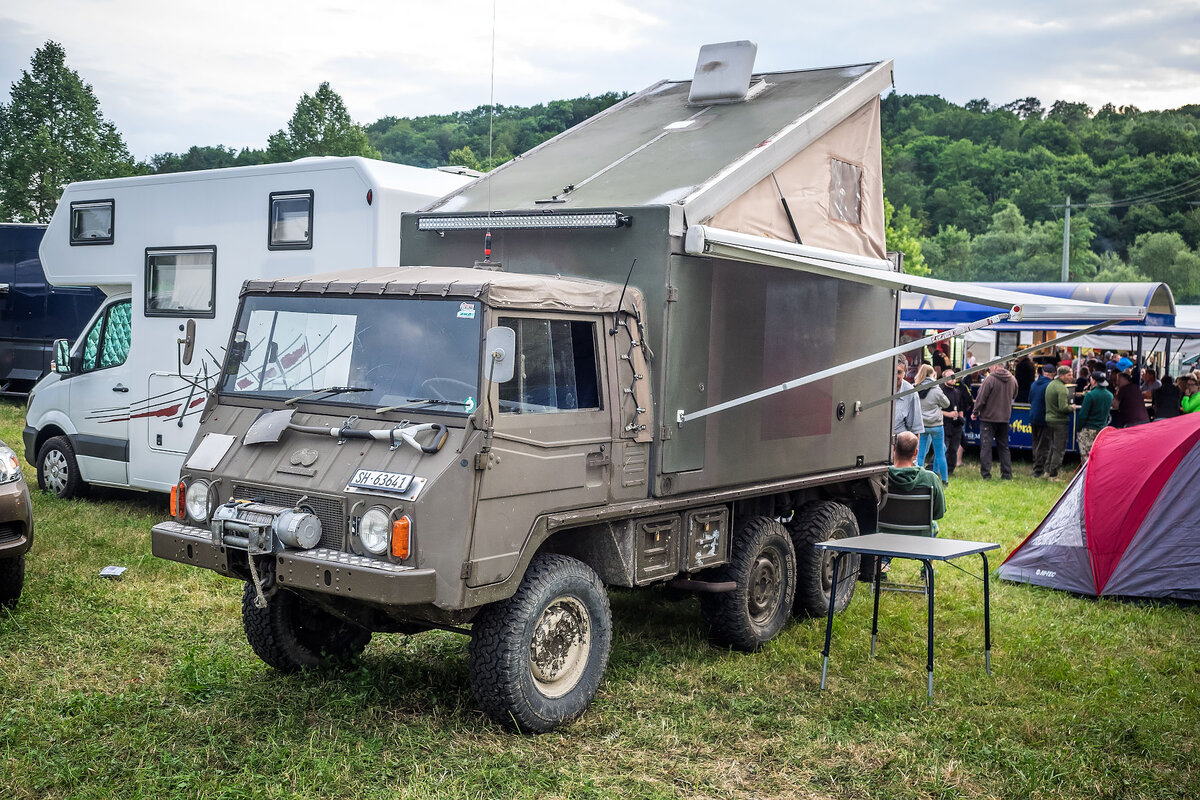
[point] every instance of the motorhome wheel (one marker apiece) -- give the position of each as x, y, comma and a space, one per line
537, 658
814, 568
763, 567
12, 579
292, 634
57, 469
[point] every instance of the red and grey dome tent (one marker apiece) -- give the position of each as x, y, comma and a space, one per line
1128, 525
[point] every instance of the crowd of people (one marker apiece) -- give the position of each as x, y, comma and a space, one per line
1101, 389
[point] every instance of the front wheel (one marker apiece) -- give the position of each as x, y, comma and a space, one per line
537, 658
12, 579
762, 567
292, 634
57, 469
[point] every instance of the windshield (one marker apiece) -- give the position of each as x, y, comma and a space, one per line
359, 351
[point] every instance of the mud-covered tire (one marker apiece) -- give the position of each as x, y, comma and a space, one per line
58, 470
292, 634
818, 522
537, 658
12, 579
762, 564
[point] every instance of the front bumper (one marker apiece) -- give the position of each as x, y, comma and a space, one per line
317, 570
16, 519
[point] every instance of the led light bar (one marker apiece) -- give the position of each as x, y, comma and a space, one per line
601, 219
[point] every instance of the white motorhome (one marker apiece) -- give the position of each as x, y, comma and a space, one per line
171, 248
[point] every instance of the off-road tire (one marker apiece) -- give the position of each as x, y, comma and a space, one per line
291, 634
57, 469
561, 613
12, 579
762, 564
818, 522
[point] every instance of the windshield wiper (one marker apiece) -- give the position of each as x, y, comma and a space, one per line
330, 391
423, 401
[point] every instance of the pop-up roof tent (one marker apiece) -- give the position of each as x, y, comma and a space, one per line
1127, 524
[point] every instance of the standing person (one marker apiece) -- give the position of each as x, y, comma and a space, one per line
1037, 420
1058, 415
1026, 372
932, 400
906, 411
971, 362
1130, 408
954, 417
1093, 414
993, 409
1165, 399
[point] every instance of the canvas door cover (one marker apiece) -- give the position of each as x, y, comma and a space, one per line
1126, 524
833, 187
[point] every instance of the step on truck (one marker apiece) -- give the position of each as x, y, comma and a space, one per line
571, 394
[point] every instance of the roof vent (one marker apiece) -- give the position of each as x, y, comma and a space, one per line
723, 73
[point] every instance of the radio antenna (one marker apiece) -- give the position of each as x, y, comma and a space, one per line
487, 237
621, 302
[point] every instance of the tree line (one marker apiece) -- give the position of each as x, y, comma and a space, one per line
973, 192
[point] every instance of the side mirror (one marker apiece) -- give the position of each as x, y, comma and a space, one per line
62, 357
500, 360
188, 341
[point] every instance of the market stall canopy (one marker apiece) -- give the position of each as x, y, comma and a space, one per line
933, 311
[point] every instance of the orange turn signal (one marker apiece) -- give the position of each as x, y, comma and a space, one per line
400, 532
177, 495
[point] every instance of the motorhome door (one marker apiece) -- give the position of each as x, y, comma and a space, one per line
100, 395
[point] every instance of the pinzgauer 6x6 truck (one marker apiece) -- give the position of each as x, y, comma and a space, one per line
570, 394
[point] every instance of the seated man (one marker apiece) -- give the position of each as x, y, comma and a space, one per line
905, 476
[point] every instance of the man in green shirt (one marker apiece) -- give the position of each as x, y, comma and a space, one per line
1058, 415
1093, 414
905, 476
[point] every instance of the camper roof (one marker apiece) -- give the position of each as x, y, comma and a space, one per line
656, 148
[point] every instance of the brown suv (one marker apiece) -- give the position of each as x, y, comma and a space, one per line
16, 527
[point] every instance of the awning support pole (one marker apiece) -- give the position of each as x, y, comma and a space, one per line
682, 416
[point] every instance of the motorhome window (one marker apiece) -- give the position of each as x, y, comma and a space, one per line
291, 221
181, 283
92, 222
107, 343
417, 355
556, 367
845, 192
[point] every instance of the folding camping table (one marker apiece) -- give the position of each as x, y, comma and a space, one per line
919, 548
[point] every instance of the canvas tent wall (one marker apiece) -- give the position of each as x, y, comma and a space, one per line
1126, 525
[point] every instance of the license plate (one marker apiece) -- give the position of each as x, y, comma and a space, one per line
380, 481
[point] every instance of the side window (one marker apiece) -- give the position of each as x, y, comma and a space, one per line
291, 220
107, 343
92, 222
181, 282
556, 367
845, 192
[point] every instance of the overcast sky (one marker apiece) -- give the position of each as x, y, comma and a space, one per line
179, 73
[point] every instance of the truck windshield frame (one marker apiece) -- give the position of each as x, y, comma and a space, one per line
397, 349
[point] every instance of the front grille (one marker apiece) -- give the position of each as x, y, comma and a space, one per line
329, 511
10, 532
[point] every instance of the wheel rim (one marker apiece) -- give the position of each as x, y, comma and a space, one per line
54, 471
763, 597
558, 652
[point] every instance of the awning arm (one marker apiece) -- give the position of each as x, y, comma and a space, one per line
860, 407
682, 416
702, 240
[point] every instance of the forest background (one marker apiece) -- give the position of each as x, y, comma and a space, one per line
973, 192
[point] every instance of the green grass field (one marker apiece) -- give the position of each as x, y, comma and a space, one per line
146, 688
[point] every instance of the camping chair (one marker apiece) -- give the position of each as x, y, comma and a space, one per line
910, 514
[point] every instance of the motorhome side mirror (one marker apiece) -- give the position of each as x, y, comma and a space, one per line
62, 357
500, 347
188, 341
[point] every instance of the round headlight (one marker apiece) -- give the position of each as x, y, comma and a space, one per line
196, 501
373, 530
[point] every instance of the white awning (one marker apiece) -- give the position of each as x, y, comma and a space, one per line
702, 240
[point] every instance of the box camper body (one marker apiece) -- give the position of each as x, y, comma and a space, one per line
495, 437
171, 248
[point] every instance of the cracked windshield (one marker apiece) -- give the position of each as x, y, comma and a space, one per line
363, 351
